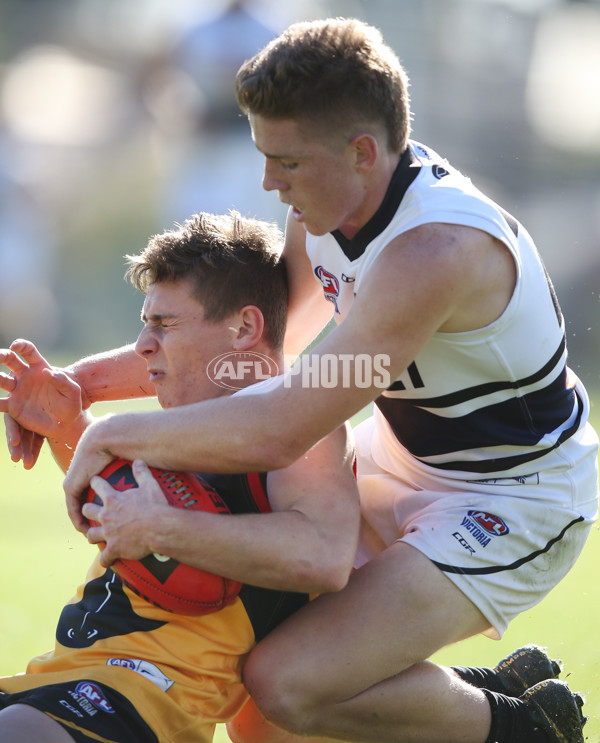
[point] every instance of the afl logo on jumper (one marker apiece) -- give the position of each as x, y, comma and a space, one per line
331, 286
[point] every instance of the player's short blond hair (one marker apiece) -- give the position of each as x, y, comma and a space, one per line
334, 76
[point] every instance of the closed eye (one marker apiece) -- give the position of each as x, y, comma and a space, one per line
157, 321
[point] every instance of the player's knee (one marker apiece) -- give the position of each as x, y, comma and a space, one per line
280, 698
282, 710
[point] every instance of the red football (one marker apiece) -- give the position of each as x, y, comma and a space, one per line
162, 580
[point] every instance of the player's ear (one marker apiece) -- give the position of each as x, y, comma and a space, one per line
249, 325
365, 149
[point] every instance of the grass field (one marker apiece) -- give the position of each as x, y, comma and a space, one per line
43, 559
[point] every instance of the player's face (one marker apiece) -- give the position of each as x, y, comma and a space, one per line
177, 344
316, 178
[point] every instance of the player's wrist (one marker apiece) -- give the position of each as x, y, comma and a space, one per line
120, 435
69, 433
159, 531
169, 532
77, 374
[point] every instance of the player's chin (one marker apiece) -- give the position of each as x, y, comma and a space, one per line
173, 401
165, 398
316, 230
316, 227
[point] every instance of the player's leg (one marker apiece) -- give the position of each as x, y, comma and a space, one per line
249, 726
21, 723
351, 665
512, 676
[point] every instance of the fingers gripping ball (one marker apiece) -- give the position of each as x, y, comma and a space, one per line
163, 580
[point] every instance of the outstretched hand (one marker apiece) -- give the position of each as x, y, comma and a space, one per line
41, 400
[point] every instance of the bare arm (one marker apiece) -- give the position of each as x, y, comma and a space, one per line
435, 277
112, 375
63, 447
308, 312
306, 544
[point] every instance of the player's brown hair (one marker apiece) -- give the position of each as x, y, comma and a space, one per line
233, 261
331, 76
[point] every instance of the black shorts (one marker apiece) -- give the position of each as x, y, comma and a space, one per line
88, 711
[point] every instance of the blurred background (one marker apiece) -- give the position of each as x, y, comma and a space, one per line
118, 118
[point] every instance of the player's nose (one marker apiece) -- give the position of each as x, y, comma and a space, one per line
146, 344
272, 180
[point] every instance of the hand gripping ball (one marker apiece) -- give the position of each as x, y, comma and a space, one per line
162, 580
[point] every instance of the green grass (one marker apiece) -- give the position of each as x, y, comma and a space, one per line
43, 559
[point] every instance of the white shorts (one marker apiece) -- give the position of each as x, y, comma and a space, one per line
504, 543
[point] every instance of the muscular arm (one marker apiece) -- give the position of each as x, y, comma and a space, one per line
306, 544
435, 277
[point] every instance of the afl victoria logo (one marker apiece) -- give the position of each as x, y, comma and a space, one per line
94, 694
493, 525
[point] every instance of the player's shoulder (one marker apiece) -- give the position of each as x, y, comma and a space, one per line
435, 271
442, 196
423, 157
438, 184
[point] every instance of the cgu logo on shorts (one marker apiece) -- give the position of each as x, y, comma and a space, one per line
94, 694
483, 526
331, 286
